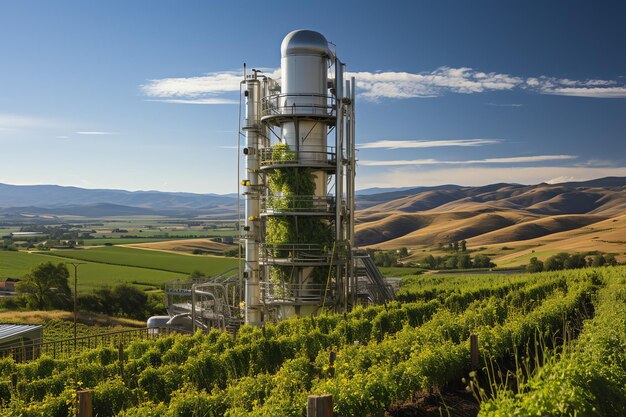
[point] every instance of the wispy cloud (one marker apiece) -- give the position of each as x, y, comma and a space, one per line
398, 144
95, 133
15, 122
204, 89
576, 88
504, 104
507, 160
481, 175
375, 86
560, 179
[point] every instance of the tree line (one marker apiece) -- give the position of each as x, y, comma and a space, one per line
47, 287
565, 260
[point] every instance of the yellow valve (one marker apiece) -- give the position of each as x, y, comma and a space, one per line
252, 218
245, 183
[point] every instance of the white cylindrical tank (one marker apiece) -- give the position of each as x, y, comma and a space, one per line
304, 91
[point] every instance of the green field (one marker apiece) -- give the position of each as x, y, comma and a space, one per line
121, 241
171, 262
91, 275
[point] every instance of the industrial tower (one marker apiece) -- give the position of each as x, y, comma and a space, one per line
298, 187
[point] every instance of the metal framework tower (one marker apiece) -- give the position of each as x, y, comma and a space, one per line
298, 185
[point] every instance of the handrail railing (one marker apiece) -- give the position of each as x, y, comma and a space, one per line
295, 253
292, 293
297, 203
312, 105
64, 348
305, 154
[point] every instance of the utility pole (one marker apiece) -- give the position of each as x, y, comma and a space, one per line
75, 265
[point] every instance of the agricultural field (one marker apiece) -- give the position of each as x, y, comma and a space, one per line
92, 275
538, 329
149, 259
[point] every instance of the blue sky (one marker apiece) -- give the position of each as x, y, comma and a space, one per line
138, 94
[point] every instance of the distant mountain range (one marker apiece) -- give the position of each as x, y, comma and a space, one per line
378, 208
58, 200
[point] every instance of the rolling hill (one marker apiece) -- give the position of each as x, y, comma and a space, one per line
524, 219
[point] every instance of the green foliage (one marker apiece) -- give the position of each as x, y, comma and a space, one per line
285, 184
46, 287
384, 354
534, 265
110, 397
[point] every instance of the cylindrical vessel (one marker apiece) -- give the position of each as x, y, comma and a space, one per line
252, 201
304, 92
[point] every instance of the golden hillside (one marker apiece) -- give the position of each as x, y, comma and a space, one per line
520, 218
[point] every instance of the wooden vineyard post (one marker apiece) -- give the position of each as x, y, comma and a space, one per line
85, 408
331, 364
319, 406
474, 352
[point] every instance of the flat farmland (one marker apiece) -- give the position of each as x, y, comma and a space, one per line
91, 275
148, 259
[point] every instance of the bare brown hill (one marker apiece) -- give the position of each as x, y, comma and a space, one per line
498, 214
185, 245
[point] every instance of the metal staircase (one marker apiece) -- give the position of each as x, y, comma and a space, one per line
372, 286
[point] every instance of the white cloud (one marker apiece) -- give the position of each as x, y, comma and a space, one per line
95, 133
204, 89
411, 177
210, 88
504, 104
379, 85
397, 144
14, 122
212, 83
577, 88
561, 179
507, 160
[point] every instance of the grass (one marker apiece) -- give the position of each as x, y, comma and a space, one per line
396, 272
91, 275
154, 260
59, 325
121, 241
168, 233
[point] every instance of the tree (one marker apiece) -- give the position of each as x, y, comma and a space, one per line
598, 260
610, 259
464, 262
46, 287
483, 261
553, 263
556, 262
455, 245
574, 262
534, 265
463, 245
431, 262
130, 300
451, 262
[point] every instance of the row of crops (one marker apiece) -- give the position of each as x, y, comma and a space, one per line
367, 359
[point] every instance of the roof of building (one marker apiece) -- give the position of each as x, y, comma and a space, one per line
9, 332
26, 233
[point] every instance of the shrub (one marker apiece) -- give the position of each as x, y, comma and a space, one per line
110, 397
